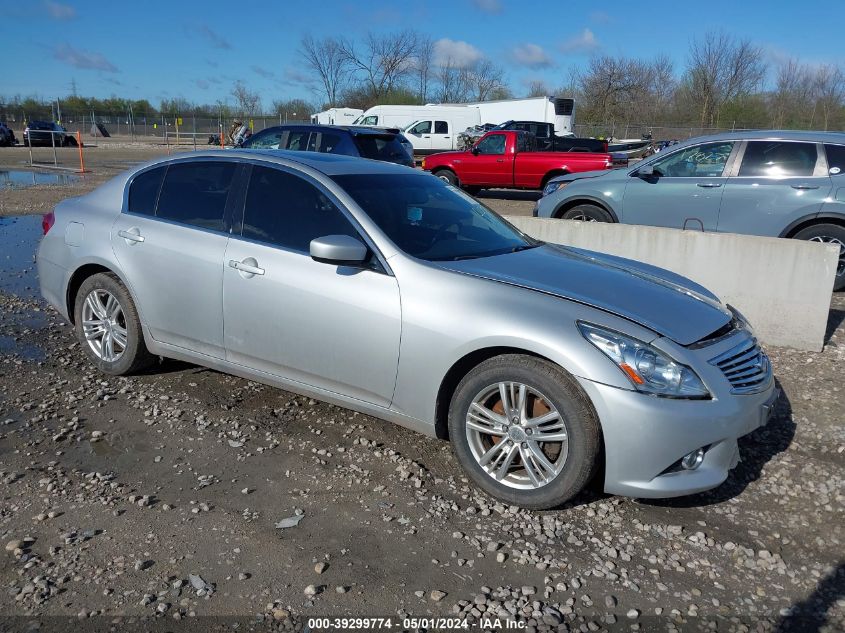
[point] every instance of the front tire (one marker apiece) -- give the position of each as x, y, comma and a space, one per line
107, 326
587, 213
828, 234
524, 431
448, 176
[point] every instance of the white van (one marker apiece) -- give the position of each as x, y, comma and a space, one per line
439, 132
336, 116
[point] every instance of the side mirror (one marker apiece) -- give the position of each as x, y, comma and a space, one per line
341, 250
474, 150
646, 171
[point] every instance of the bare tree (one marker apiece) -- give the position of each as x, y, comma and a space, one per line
383, 61
249, 103
453, 82
326, 58
484, 78
829, 89
423, 60
538, 88
720, 69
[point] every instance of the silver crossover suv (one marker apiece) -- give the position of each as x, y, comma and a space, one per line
776, 184
385, 290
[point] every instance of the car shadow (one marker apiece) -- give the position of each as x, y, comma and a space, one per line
756, 449
508, 194
834, 319
811, 614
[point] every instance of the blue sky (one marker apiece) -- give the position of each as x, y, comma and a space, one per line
197, 50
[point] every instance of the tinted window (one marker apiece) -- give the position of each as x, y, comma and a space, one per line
381, 147
195, 193
423, 127
297, 141
143, 192
835, 158
698, 161
441, 127
431, 220
287, 211
778, 159
493, 144
327, 142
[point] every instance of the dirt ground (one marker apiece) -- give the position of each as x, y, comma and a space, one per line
151, 502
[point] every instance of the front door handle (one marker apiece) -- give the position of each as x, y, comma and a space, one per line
426, 136
805, 187
130, 236
709, 185
247, 266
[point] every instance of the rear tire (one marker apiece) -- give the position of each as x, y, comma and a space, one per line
559, 466
829, 234
587, 213
107, 326
448, 176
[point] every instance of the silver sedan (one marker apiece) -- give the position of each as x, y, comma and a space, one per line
385, 290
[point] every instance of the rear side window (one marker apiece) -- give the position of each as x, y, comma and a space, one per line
285, 210
441, 127
195, 193
143, 192
380, 147
778, 159
835, 158
297, 141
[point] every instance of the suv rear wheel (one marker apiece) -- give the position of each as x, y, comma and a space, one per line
828, 234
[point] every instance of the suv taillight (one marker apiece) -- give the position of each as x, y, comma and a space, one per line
47, 222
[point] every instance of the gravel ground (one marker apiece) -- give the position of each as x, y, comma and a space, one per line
185, 494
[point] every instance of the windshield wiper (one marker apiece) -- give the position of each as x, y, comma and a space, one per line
525, 247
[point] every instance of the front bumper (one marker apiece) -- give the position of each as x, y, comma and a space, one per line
645, 435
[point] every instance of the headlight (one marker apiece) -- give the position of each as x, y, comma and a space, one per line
553, 186
648, 369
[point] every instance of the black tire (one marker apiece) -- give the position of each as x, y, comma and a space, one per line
832, 234
449, 176
564, 393
135, 355
587, 213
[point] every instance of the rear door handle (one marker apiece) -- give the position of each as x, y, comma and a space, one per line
709, 185
805, 187
132, 237
246, 268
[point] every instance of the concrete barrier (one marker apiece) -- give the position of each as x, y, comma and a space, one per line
783, 287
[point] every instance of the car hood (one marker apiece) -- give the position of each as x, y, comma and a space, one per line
581, 175
662, 301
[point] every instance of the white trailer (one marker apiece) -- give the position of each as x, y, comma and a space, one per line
435, 127
336, 116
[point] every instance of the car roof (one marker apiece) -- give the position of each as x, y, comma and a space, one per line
352, 129
779, 135
327, 164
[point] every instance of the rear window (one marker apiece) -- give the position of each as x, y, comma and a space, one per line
381, 147
778, 159
835, 158
195, 193
143, 192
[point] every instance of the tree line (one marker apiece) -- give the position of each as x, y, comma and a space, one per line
723, 82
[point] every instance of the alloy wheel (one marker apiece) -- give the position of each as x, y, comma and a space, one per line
104, 325
516, 435
827, 239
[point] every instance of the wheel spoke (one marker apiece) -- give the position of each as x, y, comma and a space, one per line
541, 459
93, 329
483, 414
112, 307
522, 403
119, 335
528, 464
541, 419
502, 470
108, 347
95, 306
506, 397
496, 452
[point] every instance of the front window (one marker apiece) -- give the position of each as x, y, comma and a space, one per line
493, 144
423, 127
428, 219
268, 139
369, 120
698, 161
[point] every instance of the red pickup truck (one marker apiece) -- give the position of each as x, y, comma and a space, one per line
509, 159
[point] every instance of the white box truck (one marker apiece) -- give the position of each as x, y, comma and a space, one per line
336, 116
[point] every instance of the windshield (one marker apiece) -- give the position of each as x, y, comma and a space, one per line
428, 219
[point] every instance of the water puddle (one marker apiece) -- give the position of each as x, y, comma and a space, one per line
10, 346
19, 237
19, 178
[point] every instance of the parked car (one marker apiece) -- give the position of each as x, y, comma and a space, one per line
770, 183
509, 159
43, 132
388, 291
385, 144
7, 136
548, 141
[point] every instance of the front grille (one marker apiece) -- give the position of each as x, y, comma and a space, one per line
746, 367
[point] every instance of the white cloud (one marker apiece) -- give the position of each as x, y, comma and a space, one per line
584, 42
59, 11
455, 52
531, 55
488, 6
262, 72
82, 58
